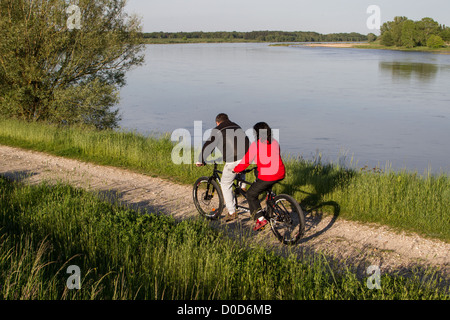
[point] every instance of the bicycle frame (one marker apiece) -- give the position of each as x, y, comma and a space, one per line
270, 204
238, 189
278, 208
237, 182
215, 175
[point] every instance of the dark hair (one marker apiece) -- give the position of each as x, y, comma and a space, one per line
263, 132
221, 117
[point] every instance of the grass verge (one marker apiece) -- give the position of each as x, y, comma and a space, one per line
124, 254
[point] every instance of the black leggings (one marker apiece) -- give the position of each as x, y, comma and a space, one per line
253, 192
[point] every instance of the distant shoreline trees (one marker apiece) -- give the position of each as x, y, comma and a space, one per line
260, 36
404, 32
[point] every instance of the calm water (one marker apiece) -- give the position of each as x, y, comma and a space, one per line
374, 106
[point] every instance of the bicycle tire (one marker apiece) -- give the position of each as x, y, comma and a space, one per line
208, 205
288, 224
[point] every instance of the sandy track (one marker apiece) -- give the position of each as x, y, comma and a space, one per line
358, 245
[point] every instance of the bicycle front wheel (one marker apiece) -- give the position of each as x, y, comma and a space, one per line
208, 198
286, 219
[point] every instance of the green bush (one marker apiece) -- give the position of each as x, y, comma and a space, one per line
435, 42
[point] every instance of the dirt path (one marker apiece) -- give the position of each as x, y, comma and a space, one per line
358, 245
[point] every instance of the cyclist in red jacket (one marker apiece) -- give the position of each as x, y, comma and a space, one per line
265, 152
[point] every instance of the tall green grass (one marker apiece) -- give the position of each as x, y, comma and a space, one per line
124, 254
404, 200
401, 199
132, 150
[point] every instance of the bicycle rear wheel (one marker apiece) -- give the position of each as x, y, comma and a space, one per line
208, 198
286, 219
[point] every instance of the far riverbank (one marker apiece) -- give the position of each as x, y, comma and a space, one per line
366, 45
347, 44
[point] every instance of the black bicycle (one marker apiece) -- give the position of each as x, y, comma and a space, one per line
283, 212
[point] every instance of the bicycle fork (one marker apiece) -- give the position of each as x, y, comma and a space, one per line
209, 196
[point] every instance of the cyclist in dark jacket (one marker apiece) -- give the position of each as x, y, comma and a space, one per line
233, 143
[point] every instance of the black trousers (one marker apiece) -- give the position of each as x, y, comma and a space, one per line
253, 192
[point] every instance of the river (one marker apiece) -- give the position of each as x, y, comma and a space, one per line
353, 106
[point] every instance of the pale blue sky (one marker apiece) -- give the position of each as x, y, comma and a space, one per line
324, 16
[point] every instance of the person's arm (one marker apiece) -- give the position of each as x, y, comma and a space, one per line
248, 158
208, 147
201, 162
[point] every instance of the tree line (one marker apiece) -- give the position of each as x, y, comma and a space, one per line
260, 36
404, 32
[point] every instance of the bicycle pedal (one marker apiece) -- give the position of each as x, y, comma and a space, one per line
262, 228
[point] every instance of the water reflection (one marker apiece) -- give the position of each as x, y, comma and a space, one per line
407, 70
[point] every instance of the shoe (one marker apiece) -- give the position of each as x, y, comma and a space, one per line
260, 225
231, 217
258, 213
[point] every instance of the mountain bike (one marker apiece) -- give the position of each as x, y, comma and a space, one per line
283, 212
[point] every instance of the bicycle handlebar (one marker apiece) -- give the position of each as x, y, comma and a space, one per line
215, 163
249, 170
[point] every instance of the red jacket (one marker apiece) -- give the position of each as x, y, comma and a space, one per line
267, 158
